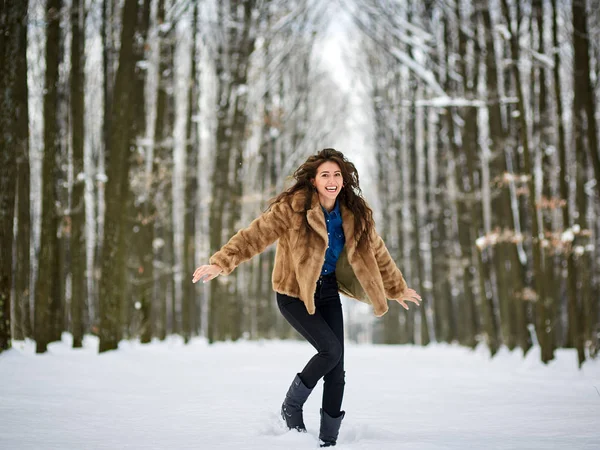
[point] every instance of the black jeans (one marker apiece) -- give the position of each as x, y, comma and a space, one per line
325, 331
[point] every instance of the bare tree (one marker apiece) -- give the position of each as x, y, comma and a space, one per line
542, 312
191, 194
162, 167
22, 268
12, 24
47, 298
112, 282
236, 42
584, 126
142, 279
77, 244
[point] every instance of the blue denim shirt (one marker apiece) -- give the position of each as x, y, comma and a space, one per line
333, 220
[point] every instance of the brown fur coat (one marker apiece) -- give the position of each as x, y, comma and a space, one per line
369, 275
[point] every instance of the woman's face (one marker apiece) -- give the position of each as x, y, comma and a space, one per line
329, 180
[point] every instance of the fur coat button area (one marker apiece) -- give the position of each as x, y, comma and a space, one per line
368, 274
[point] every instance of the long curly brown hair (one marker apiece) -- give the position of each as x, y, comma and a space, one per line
350, 195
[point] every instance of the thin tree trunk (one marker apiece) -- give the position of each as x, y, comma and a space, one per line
581, 262
22, 318
419, 215
562, 154
46, 292
114, 252
581, 48
392, 334
541, 311
264, 310
582, 78
467, 325
445, 313
13, 19
548, 163
219, 183
505, 257
190, 201
137, 307
162, 170
230, 142
78, 245
481, 257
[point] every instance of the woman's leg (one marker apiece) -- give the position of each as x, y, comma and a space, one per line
317, 331
334, 381
325, 331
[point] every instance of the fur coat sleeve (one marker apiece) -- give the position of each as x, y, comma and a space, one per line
393, 281
254, 239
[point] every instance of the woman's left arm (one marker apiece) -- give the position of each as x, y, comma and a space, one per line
393, 281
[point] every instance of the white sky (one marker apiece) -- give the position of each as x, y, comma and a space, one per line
339, 58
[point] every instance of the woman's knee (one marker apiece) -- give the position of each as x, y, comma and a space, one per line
337, 376
333, 352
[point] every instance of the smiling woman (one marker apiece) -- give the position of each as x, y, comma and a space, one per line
326, 244
328, 183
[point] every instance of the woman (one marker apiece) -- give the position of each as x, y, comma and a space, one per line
327, 244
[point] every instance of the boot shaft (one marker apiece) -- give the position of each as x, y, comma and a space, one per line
291, 409
330, 428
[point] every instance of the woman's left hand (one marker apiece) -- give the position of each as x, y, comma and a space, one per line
409, 296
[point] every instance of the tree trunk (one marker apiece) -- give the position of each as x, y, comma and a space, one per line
188, 309
78, 244
418, 200
467, 327
392, 333
570, 293
162, 166
470, 186
139, 305
13, 20
581, 48
444, 316
583, 83
120, 140
478, 164
232, 64
580, 260
46, 299
264, 308
541, 310
506, 261
542, 128
445, 312
22, 271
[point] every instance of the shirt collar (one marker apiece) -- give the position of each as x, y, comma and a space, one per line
335, 212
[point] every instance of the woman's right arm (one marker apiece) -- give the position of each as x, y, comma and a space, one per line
250, 241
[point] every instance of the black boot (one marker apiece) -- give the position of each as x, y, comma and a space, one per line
330, 428
291, 409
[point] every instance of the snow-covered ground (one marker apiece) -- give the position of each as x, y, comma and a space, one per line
227, 396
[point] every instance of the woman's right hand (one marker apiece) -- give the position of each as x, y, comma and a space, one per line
206, 273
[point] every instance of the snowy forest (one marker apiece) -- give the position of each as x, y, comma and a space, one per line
137, 136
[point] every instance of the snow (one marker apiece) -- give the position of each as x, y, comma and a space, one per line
143, 64
445, 101
227, 396
567, 235
101, 177
423, 73
542, 58
503, 31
